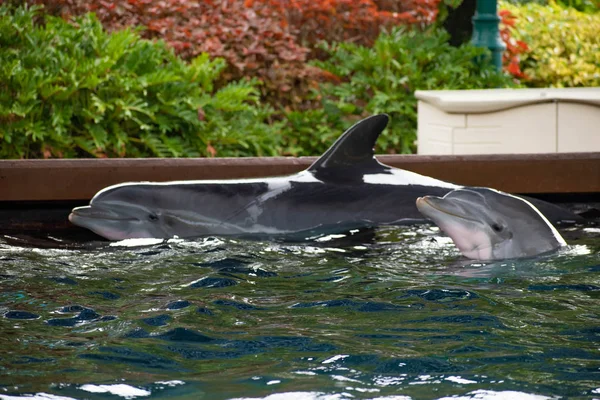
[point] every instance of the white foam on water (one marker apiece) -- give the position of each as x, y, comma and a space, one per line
37, 396
458, 379
329, 237
335, 358
493, 395
576, 250
389, 380
136, 242
170, 383
424, 380
362, 390
342, 378
119, 389
310, 373
297, 396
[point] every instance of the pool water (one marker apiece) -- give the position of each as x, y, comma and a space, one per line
392, 314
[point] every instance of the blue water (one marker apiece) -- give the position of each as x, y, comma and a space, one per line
397, 314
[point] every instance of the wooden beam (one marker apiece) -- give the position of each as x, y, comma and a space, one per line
80, 179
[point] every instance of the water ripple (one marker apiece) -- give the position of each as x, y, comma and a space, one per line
396, 314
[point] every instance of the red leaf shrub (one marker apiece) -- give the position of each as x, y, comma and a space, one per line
422, 12
258, 38
510, 58
359, 21
255, 42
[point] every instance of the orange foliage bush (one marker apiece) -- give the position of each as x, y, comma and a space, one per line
510, 58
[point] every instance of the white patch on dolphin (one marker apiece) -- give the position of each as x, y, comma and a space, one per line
406, 178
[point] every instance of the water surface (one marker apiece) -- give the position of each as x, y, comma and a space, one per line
396, 313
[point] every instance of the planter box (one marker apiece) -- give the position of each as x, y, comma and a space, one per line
517, 121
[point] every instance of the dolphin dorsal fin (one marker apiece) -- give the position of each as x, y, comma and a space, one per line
354, 149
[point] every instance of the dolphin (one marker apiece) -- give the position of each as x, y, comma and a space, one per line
486, 224
345, 189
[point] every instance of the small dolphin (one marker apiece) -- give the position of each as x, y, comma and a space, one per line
346, 188
486, 224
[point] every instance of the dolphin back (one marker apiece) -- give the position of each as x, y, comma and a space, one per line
554, 213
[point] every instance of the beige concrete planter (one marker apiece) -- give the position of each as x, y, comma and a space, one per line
516, 121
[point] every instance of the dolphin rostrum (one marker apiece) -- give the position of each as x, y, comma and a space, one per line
346, 188
486, 224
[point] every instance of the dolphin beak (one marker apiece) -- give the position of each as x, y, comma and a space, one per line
110, 224
88, 212
429, 205
421, 202
426, 208
79, 213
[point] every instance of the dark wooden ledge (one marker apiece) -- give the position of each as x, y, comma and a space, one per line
60, 180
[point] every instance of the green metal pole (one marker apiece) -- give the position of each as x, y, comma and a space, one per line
486, 32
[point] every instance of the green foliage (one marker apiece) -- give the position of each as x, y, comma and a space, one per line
311, 132
564, 45
588, 6
383, 79
74, 90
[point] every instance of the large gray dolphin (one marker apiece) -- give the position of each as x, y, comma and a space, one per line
346, 188
486, 224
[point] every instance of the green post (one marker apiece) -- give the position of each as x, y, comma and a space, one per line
486, 32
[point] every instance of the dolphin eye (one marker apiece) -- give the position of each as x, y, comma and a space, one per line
153, 217
497, 227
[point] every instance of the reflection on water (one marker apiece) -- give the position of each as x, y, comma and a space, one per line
391, 314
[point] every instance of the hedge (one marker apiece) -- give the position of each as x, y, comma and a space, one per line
73, 90
563, 45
